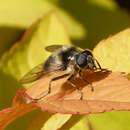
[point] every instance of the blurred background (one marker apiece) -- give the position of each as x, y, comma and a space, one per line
87, 22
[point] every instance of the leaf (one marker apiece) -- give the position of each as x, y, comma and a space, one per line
8, 89
81, 26
22, 56
18, 108
17, 17
29, 52
8, 35
113, 52
128, 76
77, 122
47, 121
111, 92
110, 120
26, 12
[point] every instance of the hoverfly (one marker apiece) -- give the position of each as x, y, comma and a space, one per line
67, 58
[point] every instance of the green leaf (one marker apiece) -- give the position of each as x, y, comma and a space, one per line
81, 124
87, 21
27, 53
26, 12
8, 36
30, 51
110, 121
113, 53
77, 122
47, 121
56, 121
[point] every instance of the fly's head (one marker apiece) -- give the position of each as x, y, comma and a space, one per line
86, 60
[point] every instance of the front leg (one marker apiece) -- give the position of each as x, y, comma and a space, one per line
74, 86
100, 68
81, 77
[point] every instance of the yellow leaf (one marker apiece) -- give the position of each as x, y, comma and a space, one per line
113, 53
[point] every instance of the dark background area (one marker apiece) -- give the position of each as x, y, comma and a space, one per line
124, 4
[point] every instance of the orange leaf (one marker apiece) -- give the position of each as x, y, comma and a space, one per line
19, 107
111, 92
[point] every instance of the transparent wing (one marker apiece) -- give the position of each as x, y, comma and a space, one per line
33, 75
53, 48
38, 72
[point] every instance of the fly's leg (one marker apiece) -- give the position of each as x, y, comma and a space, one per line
74, 86
98, 64
81, 77
49, 88
100, 68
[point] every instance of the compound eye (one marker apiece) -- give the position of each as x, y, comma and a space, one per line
87, 53
81, 60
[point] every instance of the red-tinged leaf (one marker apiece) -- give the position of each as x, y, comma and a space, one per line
111, 92
19, 107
